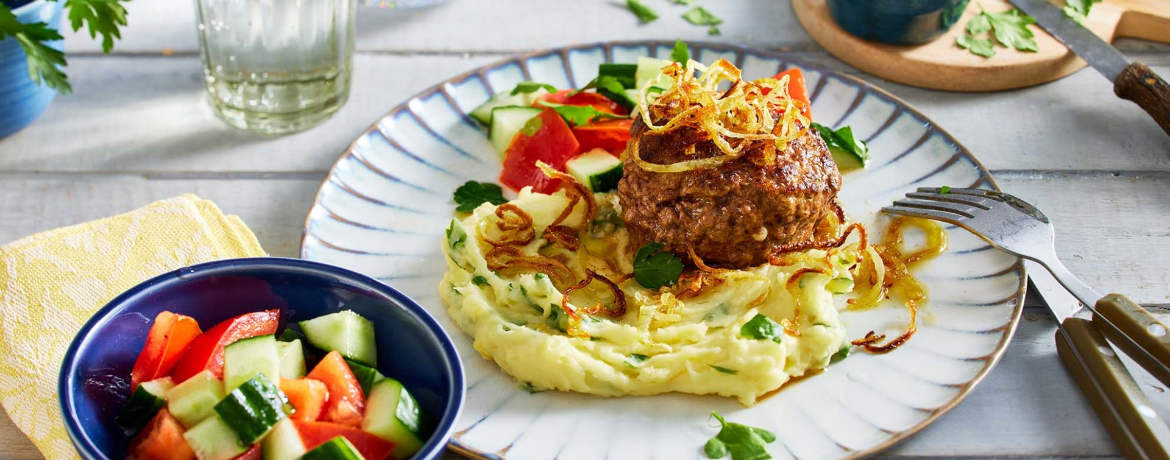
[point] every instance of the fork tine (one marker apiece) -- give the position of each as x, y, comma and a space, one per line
979, 192
923, 214
942, 206
970, 200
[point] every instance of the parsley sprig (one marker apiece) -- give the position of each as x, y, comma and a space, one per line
579, 115
100, 17
843, 141
472, 194
1008, 28
1078, 10
741, 441
654, 268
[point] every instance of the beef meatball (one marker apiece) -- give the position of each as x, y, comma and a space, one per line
733, 215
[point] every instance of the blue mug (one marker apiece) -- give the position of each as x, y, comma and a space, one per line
22, 100
898, 22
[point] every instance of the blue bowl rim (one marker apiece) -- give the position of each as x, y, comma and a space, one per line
457, 392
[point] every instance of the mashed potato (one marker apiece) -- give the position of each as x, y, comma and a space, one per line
668, 340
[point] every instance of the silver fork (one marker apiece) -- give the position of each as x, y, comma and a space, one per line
1018, 228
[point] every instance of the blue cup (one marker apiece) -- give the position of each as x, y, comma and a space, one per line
897, 22
22, 100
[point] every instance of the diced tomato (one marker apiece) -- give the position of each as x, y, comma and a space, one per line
551, 142
371, 447
253, 453
206, 351
168, 339
162, 439
346, 403
308, 396
597, 101
609, 135
796, 89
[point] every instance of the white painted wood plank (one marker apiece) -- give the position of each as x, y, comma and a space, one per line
496, 26
149, 114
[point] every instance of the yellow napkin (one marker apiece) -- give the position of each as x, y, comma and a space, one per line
52, 282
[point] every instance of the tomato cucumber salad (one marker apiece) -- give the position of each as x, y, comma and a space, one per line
240, 391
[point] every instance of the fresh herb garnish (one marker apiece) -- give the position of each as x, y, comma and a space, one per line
1078, 10
1009, 28
724, 369
644, 13
472, 194
579, 115
527, 87
741, 441
527, 386
479, 280
978, 46
101, 17
683, 2
843, 141
680, 53
945, 190
841, 354
762, 328
456, 236
603, 82
638, 358
654, 268
699, 16
714, 30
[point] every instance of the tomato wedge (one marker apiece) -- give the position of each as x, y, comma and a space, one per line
347, 402
371, 447
796, 89
162, 439
168, 339
597, 101
206, 351
253, 453
308, 396
609, 135
548, 139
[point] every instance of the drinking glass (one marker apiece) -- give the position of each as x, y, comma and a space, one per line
276, 66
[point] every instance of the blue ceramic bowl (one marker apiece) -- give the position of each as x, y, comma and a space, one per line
22, 100
411, 346
899, 22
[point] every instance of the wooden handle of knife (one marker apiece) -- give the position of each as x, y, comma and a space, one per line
1141, 85
1150, 339
1127, 415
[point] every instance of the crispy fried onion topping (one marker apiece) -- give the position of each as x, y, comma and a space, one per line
576, 192
747, 112
515, 226
777, 256
870, 340
510, 260
619, 298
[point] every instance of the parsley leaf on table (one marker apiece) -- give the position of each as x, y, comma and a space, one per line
1078, 10
842, 140
644, 13
680, 53
741, 441
654, 268
579, 115
699, 16
1009, 28
761, 327
472, 194
526, 87
978, 46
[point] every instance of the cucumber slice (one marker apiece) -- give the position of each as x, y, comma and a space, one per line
366, 375
283, 442
289, 334
292, 359
597, 169
245, 358
392, 414
146, 401
651, 69
194, 400
253, 409
506, 122
483, 113
345, 332
212, 439
626, 74
337, 448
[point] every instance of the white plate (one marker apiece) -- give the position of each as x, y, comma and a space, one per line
384, 207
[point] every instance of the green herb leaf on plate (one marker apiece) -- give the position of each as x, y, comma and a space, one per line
680, 53
741, 441
842, 353
479, 280
637, 358
456, 236
580, 115
945, 190
977, 46
1078, 10
654, 268
699, 16
762, 327
842, 140
472, 194
527, 87
644, 13
724, 369
603, 82
714, 30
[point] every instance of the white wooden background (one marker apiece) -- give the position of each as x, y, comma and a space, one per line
137, 129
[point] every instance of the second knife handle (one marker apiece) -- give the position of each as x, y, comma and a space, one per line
1141, 85
1149, 343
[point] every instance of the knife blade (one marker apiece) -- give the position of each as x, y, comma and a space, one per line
1131, 81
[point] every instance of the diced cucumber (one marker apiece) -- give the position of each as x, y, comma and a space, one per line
483, 113
292, 359
194, 400
289, 334
213, 439
283, 443
146, 401
392, 414
626, 74
337, 448
345, 332
245, 358
651, 69
254, 408
506, 122
839, 285
597, 169
366, 375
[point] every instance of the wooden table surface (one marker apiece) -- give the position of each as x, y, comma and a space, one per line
138, 129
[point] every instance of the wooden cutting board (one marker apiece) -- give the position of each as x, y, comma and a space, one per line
942, 65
